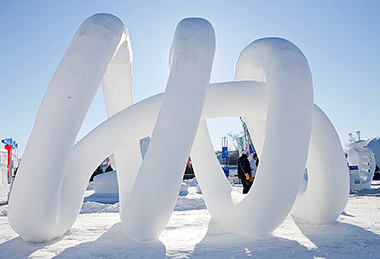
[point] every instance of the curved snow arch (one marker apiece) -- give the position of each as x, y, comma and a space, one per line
218, 194
98, 46
327, 191
285, 147
142, 116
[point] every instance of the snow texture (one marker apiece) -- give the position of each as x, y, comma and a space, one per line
106, 183
191, 233
281, 109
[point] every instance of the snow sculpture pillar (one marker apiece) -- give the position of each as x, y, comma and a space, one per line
327, 190
191, 59
62, 111
284, 151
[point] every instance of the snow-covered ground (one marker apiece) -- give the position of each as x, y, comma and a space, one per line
191, 233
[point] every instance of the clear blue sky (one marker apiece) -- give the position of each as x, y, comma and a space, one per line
339, 38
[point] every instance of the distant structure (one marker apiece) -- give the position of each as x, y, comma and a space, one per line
361, 162
8, 160
374, 145
225, 160
246, 141
3, 166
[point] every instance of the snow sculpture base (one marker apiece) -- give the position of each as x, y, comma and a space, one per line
106, 183
281, 109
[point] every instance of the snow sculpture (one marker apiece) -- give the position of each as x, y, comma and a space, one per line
281, 109
362, 162
374, 145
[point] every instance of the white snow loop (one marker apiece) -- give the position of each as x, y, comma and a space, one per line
54, 173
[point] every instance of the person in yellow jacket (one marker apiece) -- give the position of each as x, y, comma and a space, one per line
244, 171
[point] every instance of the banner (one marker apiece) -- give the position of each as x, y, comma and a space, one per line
9, 149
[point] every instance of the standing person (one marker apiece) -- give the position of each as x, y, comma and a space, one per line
254, 164
244, 171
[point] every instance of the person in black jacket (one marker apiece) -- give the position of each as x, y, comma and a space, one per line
244, 171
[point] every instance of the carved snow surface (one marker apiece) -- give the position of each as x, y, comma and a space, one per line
290, 132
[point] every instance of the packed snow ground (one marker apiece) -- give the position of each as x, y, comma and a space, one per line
191, 233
